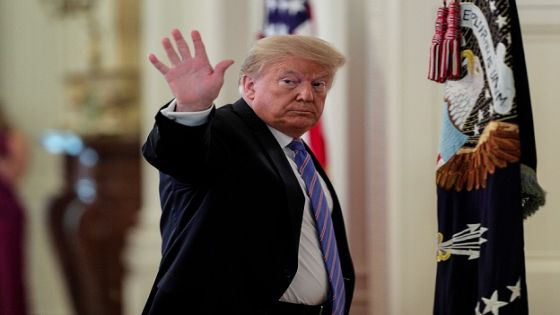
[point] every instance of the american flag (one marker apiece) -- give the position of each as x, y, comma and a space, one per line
287, 17
295, 17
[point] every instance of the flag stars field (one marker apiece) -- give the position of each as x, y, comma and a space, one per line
493, 304
277, 29
501, 21
493, 6
293, 7
515, 291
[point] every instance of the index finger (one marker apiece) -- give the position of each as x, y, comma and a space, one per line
199, 49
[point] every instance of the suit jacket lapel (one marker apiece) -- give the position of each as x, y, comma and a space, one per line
294, 194
277, 157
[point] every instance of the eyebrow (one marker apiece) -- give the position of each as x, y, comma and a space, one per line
323, 76
289, 72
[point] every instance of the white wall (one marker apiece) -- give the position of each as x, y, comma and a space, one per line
402, 130
541, 31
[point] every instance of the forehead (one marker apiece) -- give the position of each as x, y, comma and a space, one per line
297, 66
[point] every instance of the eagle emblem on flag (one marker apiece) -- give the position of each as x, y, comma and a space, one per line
486, 165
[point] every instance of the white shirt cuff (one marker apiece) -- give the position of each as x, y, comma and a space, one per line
191, 119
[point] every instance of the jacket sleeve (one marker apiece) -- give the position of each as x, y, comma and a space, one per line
178, 150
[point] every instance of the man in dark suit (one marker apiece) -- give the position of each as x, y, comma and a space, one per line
250, 223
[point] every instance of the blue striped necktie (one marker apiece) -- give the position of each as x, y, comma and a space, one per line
323, 223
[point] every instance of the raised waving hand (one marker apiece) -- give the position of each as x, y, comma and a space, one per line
192, 80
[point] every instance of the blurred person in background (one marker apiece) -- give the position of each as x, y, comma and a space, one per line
13, 156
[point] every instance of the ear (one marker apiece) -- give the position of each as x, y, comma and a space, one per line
248, 85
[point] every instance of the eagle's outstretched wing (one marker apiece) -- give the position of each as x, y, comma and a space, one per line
469, 168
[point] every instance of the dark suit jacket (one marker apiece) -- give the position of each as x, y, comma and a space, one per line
232, 214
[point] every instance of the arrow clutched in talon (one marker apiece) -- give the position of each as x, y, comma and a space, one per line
464, 243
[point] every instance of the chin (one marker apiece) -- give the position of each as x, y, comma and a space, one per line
297, 127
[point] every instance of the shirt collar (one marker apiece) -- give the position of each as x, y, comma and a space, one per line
283, 139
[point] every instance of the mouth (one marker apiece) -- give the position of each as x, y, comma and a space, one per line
304, 112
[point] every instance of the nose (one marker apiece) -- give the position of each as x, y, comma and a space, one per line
305, 92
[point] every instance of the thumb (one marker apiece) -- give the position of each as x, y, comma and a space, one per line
221, 67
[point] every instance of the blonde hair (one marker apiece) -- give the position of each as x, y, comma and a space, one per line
275, 48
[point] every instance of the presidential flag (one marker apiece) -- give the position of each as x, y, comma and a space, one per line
295, 17
486, 167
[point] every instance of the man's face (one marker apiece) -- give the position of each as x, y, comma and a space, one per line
289, 95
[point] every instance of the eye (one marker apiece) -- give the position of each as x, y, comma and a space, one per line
319, 86
287, 82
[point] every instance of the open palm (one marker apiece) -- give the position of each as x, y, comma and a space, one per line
192, 80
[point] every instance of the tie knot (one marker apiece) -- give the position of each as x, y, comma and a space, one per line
296, 145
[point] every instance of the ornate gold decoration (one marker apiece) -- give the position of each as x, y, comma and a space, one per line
103, 103
442, 255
